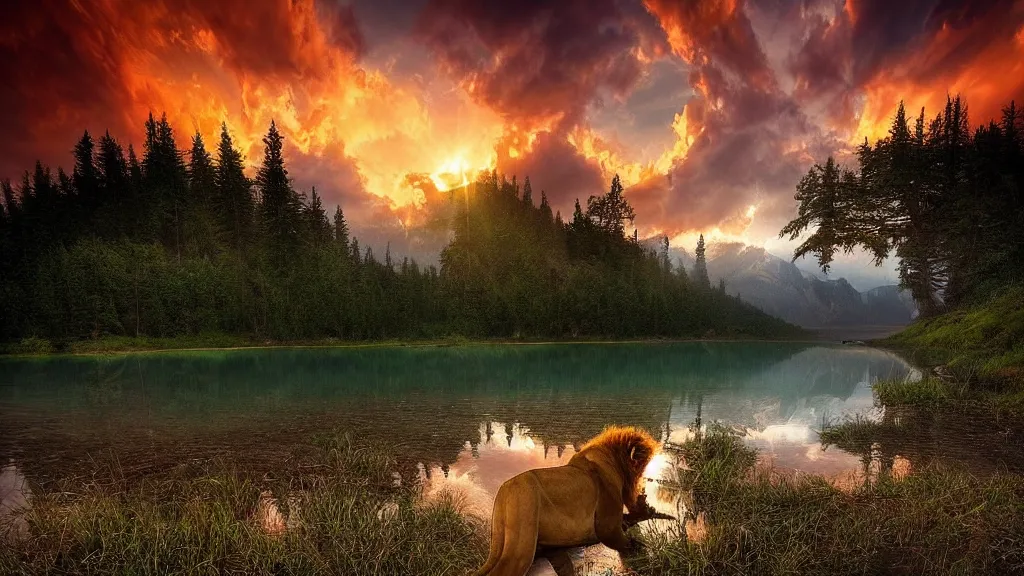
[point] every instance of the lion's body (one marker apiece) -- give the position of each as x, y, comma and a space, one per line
577, 504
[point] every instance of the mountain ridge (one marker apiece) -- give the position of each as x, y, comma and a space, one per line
779, 287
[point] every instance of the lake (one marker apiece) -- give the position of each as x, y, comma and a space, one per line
469, 416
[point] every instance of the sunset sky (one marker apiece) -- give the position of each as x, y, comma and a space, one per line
709, 111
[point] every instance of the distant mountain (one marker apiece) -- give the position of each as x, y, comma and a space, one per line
778, 287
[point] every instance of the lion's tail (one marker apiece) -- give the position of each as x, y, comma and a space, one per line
497, 539
513, 532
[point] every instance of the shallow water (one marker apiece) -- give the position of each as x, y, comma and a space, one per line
466, 416
153, 410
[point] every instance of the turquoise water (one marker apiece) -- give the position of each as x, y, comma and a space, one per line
438, 406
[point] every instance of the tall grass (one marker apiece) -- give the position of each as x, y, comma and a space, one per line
926, 392
345, 516
760, 521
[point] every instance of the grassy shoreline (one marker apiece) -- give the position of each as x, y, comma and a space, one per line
340, 512
972, 357
128, 345
983, 342
759, 521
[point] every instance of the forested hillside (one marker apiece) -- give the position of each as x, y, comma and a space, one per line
183, 243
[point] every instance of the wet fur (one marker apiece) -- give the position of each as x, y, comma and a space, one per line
545, 510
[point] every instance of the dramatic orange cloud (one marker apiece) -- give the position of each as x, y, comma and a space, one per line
980, 57
387, 104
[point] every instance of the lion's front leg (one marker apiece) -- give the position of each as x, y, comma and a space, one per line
608, 523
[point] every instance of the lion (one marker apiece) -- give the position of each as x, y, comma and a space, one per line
546, 510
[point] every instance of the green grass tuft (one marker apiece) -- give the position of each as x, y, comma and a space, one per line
926, 392
762, 522
205, 524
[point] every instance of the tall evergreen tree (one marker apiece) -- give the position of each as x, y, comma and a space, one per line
280, 208
165, 185
527, 192
611, 211
201, 228
545, 207
340, 229
85, 180
233, 201
114, 191
319, 231
700, 267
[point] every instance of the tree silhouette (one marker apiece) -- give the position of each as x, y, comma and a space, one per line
180, 243
700, 267
233, 202
201, 227
340, 229
280, 207
943, 201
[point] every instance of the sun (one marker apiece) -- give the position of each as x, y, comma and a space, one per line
452, 173
459, 170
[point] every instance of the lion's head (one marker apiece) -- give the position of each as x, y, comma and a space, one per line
631, 448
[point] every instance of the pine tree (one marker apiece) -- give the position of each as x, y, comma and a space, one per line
578, 219
611, 210
356, 255
134, 210
10, 199
85, 180
527, 192
318, 228
700, 267
280, 208
545, 207
165, 185
233, 202
201, 175
44, 206
114, 197
201, 226
340, 229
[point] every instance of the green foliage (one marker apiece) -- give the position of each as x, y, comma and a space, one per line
233, 201
165, 249
763, 522
700, 267
345, 517
511, 270
946, 202
926, 392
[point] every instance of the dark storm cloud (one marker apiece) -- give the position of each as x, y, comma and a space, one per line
384, 22
272, 37
743, 126
540, 61
60, 70
844, 48
753, 136
715, 32
67, 65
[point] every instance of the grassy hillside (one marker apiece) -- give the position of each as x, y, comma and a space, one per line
985, 341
